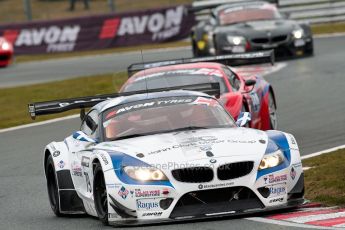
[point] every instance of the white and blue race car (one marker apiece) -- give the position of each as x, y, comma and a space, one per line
167, 156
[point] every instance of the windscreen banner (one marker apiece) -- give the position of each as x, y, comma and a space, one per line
101, 31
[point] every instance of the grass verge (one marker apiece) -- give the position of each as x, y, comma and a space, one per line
14, 100
328, 28
325, 181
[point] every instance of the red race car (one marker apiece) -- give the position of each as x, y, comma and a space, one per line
6, 52
237, 93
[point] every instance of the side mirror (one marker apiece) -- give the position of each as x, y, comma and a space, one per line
250, 82
81, 136
243, 119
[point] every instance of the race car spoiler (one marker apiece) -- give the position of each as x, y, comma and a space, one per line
210, 4
230, 59
59, 106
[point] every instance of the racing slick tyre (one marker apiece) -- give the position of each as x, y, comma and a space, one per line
272, 108
100, 194
52, 186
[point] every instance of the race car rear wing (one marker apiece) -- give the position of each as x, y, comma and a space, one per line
210, 4
59, 106
230, 59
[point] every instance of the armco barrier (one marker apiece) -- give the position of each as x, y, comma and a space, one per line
102, 31
312, 11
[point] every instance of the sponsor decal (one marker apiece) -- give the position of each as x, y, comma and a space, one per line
55, 38
262, 141
293, 173
61, 164
76, 169
271, 178
162, 25
123, 192
85, 161
140, 155
111, 186
147, 204
104, 158
148, 104
297, 165
56, 153
165, 191
210, 186
212, 161
293, 141
200, 141
205, 148
147, 193
277, 200
152, 214
277, 190
206, 101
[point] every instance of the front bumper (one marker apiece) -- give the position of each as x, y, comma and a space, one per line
139, 222
149, 204
288, 48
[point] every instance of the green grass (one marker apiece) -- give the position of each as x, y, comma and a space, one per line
14, 100
328, 28
325, 182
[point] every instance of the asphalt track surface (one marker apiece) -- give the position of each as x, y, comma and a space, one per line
310, 96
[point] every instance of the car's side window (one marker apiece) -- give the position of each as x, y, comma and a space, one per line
233, 79
90, 124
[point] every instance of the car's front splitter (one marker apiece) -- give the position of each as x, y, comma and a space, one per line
262, 211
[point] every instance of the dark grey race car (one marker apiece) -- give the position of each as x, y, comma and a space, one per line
251, 26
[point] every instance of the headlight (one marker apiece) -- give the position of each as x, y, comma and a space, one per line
272, 160
298, 34
236, 40
144, 173
5, 46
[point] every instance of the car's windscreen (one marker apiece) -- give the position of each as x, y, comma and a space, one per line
162, 115
174, 78
234, 16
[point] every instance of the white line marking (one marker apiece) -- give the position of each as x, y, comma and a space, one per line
323, 152
38, 123
305, 219
283, 223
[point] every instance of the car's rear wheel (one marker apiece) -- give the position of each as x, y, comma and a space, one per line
272, 111
100, 194
52, 187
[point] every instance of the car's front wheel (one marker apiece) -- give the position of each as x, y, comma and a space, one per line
100, 194
52, 187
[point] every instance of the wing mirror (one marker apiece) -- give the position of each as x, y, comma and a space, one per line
243, 119
250, 82
81, 136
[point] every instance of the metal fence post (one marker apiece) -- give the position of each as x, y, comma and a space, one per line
111, 5
27, 9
